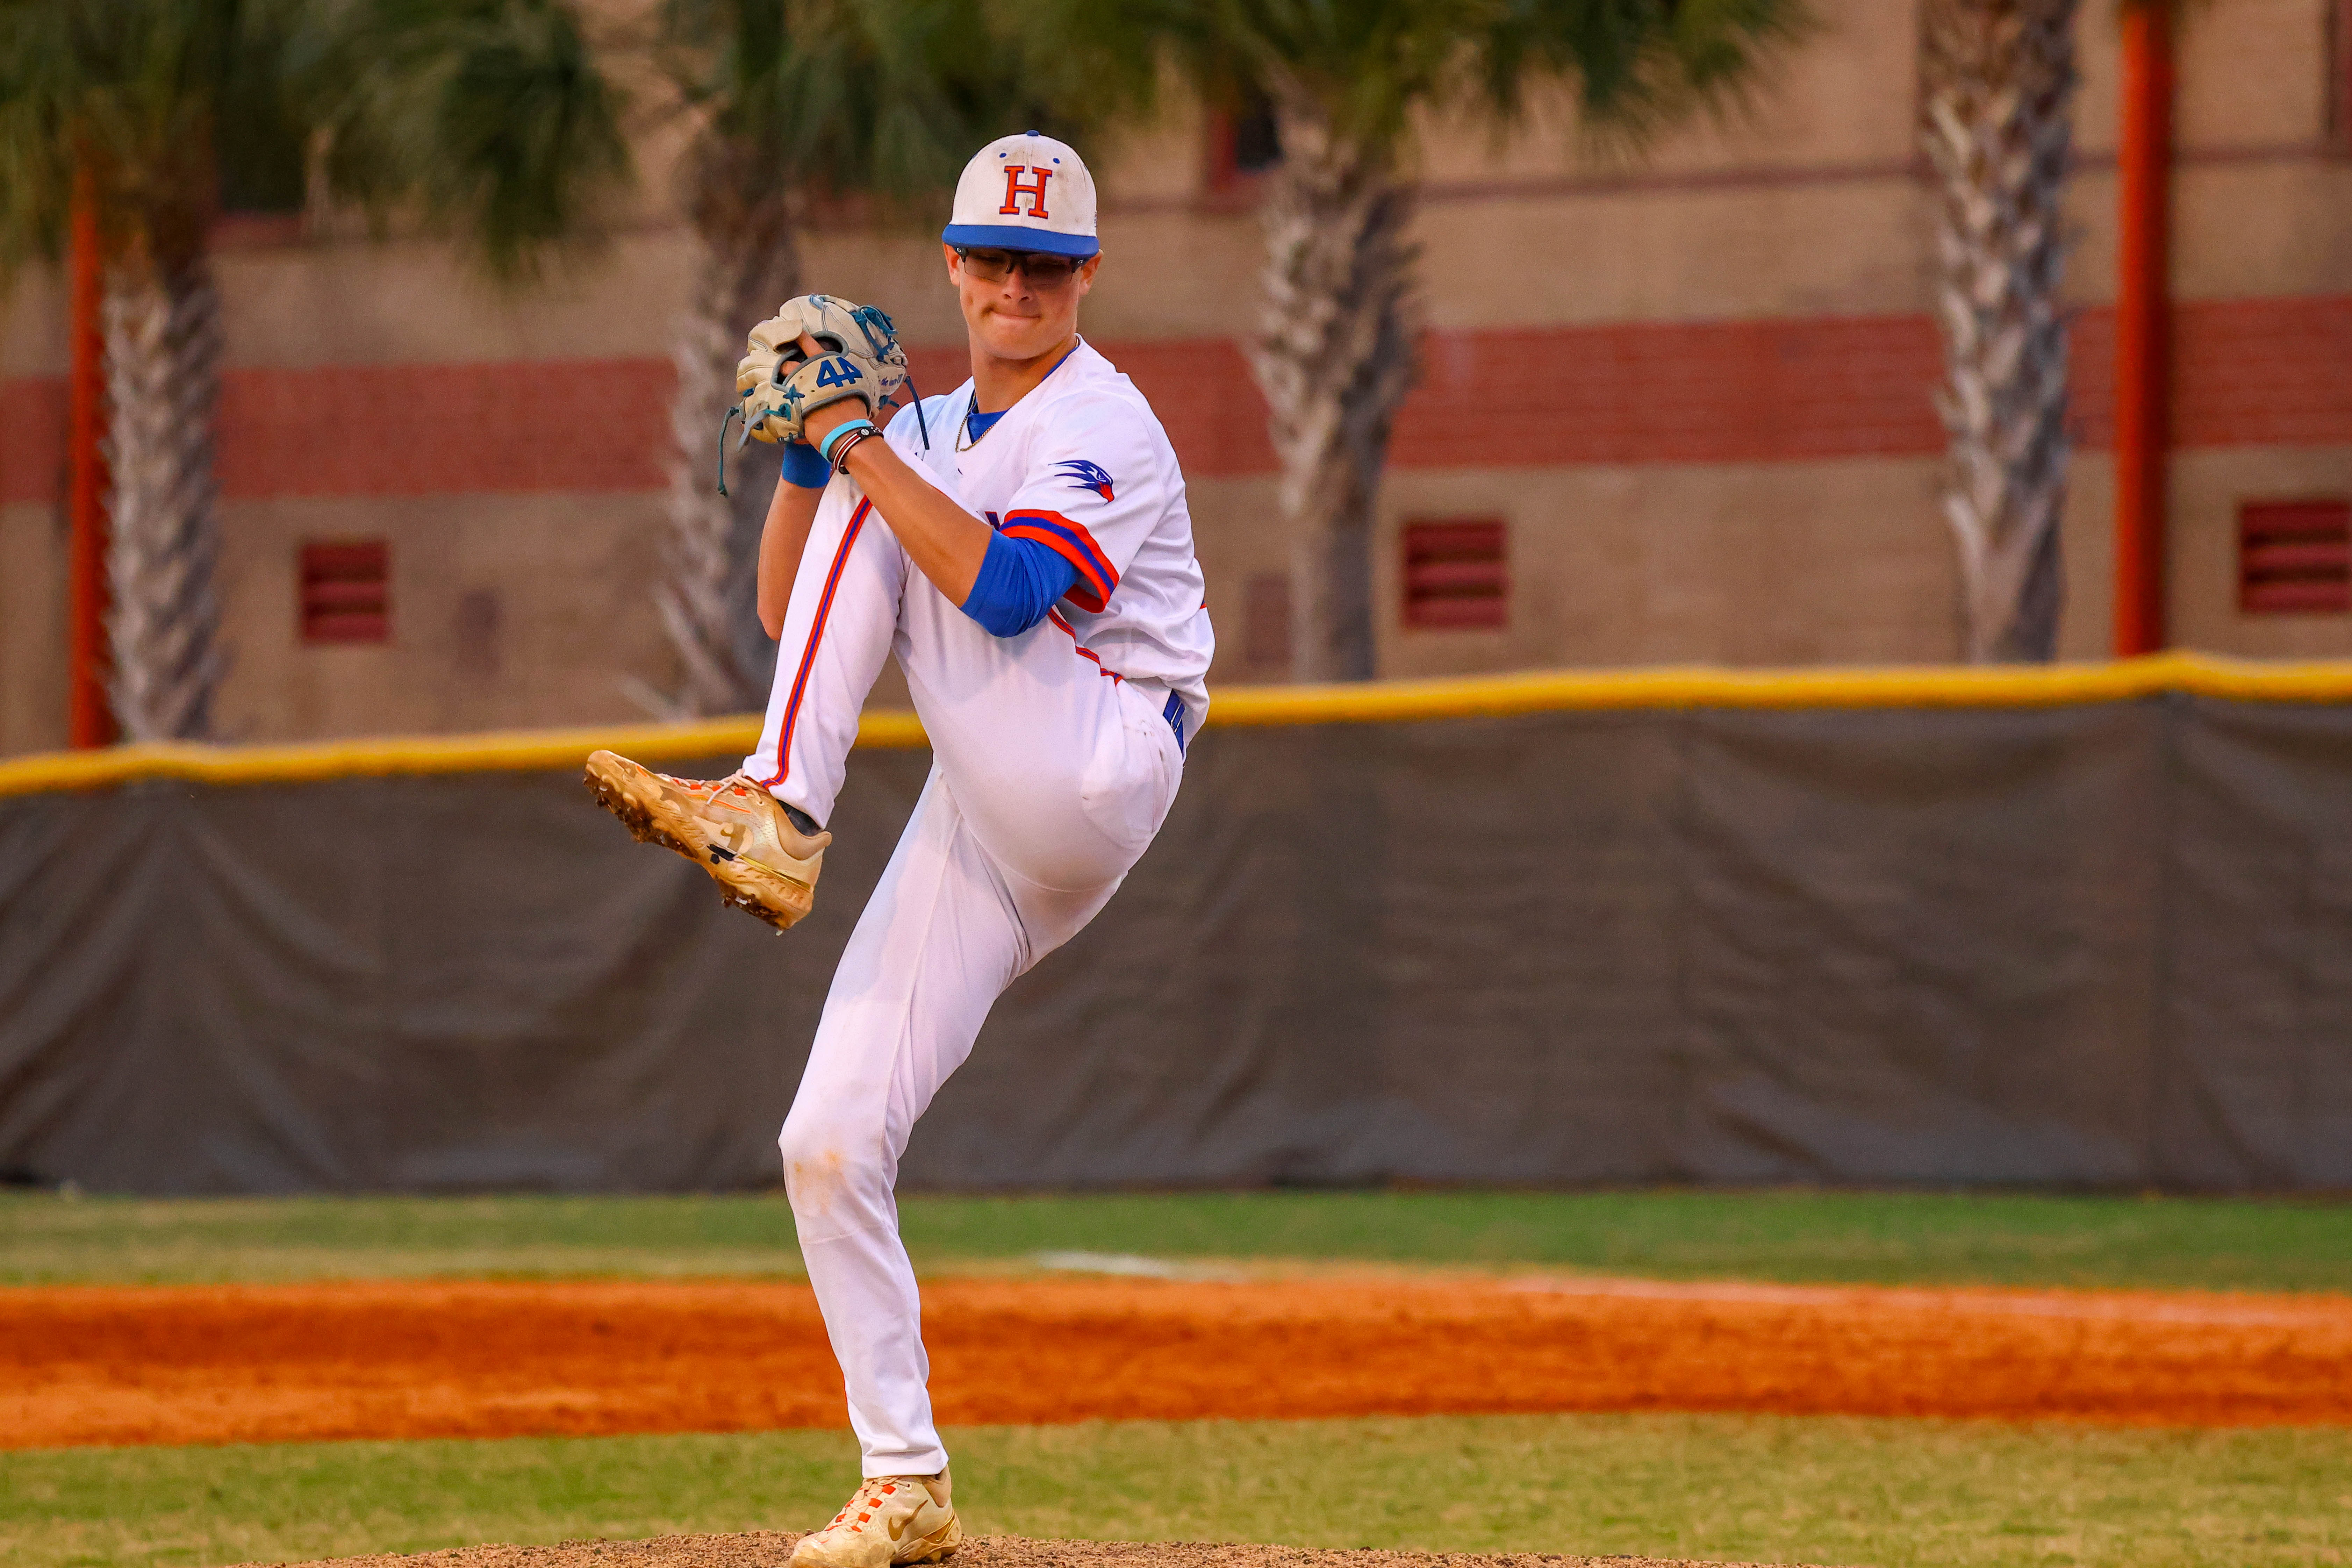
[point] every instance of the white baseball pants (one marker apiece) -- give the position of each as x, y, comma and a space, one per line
1048, 779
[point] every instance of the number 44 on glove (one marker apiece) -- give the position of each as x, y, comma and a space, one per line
778, 385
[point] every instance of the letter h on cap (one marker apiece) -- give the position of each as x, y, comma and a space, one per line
1016, 189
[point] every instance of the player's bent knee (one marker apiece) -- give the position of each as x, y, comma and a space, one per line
832, 1171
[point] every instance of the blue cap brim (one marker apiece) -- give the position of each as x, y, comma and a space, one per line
1013, 236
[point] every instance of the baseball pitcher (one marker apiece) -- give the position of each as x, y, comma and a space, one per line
1023, 546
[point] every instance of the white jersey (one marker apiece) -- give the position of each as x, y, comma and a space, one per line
1082, 465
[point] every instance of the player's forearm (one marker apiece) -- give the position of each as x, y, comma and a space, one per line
946, 542
782, 540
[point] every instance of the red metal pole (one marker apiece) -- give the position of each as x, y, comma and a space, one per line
90, 719
2143, 330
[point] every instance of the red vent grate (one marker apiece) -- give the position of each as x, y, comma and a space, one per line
2295, 556
1243, 143
346, 592
1457, 575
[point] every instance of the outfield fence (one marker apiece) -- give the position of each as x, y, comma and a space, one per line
2080, 926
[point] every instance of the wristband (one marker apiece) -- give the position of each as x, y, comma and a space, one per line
825, 450
805, 467
847, 445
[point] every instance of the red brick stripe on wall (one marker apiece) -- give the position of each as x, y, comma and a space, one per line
1737, 392
445, 430
1207, 401
2250, 372
2264, 372
1200, 388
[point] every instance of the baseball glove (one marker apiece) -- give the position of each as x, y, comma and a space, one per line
778, 386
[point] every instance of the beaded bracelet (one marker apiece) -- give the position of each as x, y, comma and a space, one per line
850, 437
825, 449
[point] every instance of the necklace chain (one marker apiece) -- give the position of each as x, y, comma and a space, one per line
965, 439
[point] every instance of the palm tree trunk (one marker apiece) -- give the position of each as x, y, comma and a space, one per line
162, 374
1334, 361
708, 593
1998, 81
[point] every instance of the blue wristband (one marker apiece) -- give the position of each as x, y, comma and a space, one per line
838, 431
805, 466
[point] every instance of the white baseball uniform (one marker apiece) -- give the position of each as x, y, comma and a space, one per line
1055, 754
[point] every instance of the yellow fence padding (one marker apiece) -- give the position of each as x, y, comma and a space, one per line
1390, 701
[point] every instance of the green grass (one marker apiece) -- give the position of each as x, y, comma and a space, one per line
1797, 1237
1813, 1491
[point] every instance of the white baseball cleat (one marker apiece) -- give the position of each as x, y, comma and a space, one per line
731, 827
890, 1520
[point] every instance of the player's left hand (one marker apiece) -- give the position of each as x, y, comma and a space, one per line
814, 354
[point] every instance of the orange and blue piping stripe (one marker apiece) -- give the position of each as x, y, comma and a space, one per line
816, 636
1097, 575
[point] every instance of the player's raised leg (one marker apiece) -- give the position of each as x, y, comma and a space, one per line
835, 629
838, 629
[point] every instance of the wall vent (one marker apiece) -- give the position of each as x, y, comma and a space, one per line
1243, 143
346, 592
2295, 556
1457, 575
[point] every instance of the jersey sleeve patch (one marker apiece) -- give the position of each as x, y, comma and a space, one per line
1086, 476
1097, 575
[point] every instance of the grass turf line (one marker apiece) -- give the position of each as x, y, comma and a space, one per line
1792, 1236
1906, 1494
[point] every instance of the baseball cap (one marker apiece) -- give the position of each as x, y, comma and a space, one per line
1025, 193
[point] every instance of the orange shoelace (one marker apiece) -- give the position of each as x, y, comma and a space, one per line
868, 1498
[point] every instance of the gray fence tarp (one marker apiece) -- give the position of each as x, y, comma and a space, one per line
2107, 946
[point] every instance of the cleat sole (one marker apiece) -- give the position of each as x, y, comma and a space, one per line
643, 825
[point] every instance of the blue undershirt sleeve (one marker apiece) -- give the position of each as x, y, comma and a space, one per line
1019, 580
805, 467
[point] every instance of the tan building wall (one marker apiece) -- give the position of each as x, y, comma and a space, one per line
1695, 384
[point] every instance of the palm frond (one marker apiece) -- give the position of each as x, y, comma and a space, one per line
40, 89
131, 92
879, 99
1367, 67
492, 120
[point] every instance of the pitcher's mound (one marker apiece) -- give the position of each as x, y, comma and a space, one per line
768, 1549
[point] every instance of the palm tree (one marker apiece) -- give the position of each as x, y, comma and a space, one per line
1346, 80
484, 115
1997, 94
125, 93
1997, 87
801, 109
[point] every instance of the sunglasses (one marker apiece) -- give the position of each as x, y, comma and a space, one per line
1041, 270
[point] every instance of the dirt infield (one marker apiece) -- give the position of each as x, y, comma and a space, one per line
265, 1363
768, 1550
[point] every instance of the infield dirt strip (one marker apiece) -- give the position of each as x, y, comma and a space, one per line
403, 1358
768, 1550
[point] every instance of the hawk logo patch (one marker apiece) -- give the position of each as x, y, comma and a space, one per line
1086, 476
